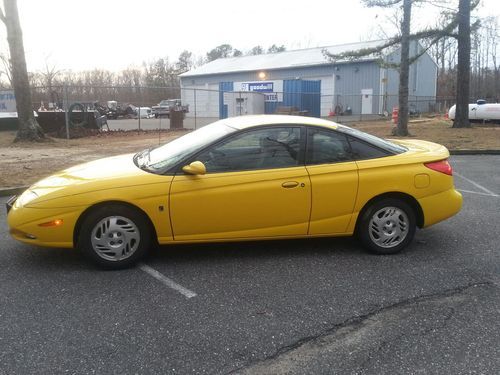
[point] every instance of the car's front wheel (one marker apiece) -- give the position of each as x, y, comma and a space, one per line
114, 236
387, 226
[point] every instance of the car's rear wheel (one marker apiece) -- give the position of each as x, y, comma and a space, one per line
387, 226
114, 236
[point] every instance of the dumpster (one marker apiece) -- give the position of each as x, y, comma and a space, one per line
176, 118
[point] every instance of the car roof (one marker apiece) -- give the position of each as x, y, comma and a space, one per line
243, 122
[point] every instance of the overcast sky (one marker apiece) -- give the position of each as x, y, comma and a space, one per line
115, 34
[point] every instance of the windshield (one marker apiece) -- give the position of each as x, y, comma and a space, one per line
161, 159
168, 102
374, 140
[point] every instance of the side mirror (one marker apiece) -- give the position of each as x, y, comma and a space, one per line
195, 168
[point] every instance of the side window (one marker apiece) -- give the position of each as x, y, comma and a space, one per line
268, 148
362, 150
327, 147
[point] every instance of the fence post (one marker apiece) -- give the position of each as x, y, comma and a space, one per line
194, 108
139, 116
361, 107
335, 108
66, 110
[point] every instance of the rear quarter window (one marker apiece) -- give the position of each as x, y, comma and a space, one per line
361, 150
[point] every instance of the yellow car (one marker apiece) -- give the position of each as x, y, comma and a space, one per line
238, 179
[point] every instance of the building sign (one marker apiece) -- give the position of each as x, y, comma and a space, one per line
273, 90
257, 86
7, 101
272, 97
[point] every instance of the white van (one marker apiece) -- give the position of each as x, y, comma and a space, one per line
144, 112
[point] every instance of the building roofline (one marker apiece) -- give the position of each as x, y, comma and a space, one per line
193, 72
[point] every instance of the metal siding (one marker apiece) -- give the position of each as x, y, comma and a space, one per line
422, 82
281, 74
351, 80
207, 100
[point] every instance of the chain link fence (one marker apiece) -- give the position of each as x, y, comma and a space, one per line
61, 108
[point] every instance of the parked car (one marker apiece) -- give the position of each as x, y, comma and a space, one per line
144, 112
238, 179
164, 107
480, 112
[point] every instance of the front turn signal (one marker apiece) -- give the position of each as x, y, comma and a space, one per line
53, 223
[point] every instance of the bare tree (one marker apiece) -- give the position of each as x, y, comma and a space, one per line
403, 40
275, 49
222, 51
29, 129
404, 71
463, 67
6, 68
257, 50
185, 62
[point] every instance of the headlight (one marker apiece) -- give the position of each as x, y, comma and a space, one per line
26, 198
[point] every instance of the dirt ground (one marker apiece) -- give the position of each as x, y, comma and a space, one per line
23, 164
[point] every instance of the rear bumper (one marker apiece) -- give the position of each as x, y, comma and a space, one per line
440, 206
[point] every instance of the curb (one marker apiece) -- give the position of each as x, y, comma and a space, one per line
5, 192
474, 152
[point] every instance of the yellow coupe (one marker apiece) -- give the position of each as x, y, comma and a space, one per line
238, 179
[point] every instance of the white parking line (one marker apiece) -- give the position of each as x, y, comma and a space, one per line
476, 192
165, 280
476, 185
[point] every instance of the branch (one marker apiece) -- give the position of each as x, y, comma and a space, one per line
2, 16
380, 3
355, 54
435, 34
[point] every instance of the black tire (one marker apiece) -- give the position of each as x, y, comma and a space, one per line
124, 224
397, 231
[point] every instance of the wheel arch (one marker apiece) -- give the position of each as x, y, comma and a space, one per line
407, 198
85, 213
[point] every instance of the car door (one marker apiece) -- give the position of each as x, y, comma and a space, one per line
334, 181
256, 186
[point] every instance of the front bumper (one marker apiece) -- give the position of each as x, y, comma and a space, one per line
24, 225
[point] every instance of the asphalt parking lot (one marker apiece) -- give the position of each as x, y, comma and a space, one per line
295, 307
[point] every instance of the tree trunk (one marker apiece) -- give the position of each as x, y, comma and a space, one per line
28, 126
463, 66
404, 72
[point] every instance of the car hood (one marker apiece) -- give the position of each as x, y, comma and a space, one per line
101, 174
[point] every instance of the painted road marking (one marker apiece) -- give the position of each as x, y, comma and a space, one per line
476, 185
476, 192
168, 282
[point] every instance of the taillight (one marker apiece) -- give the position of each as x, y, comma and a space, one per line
440, 166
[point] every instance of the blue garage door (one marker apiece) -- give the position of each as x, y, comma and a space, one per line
223, 86
304, 95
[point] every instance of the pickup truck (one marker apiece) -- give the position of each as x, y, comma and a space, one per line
163, 108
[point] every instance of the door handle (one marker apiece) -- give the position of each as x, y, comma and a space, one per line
290, 184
